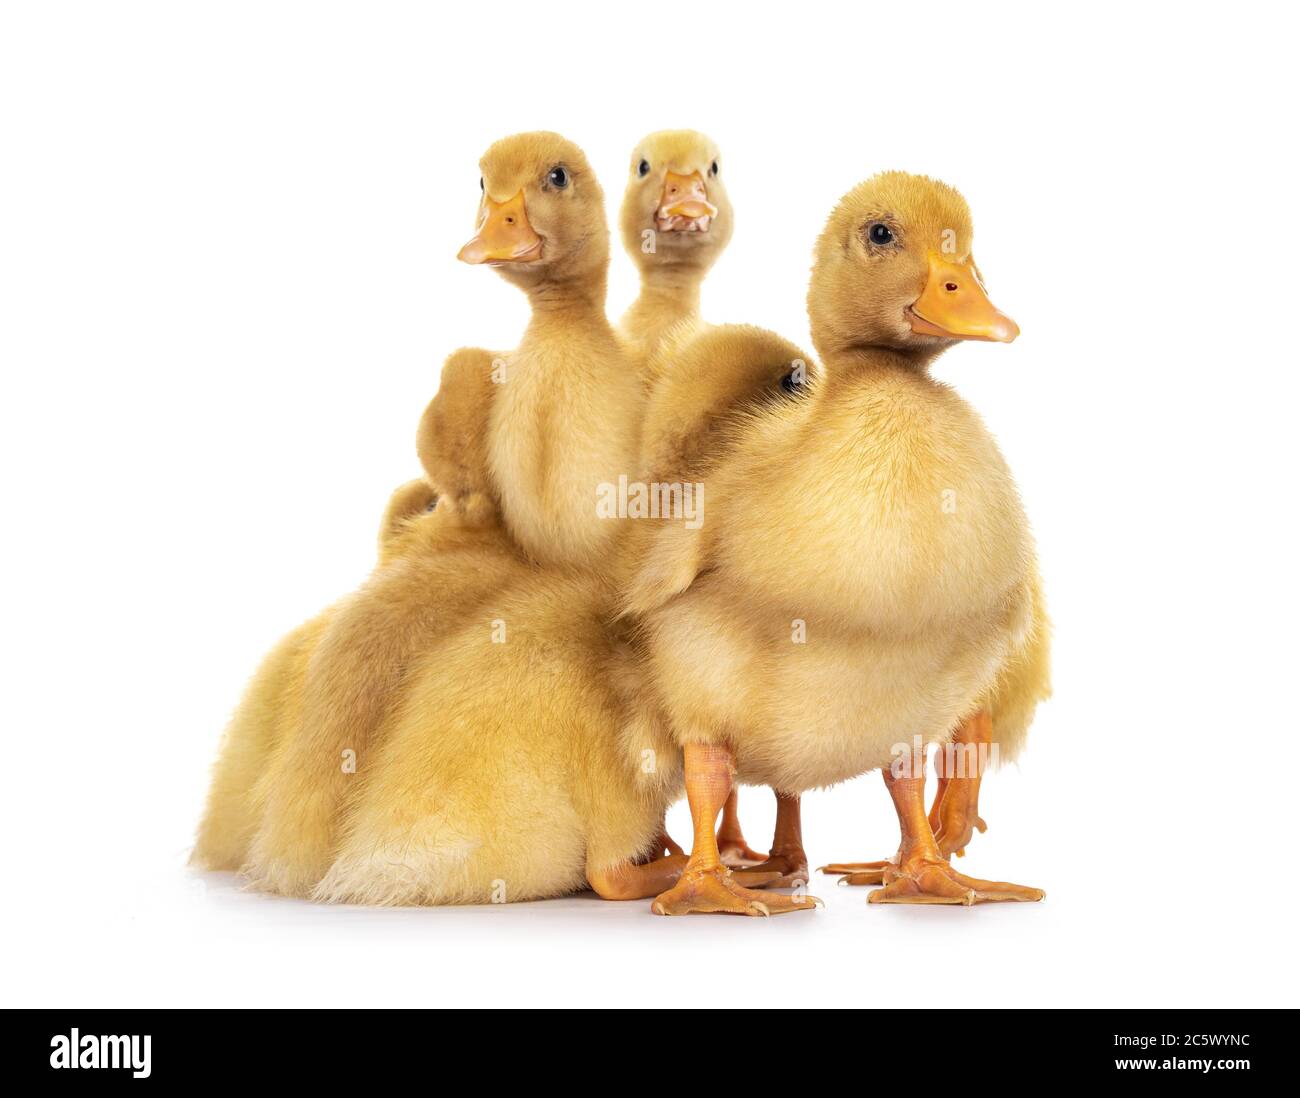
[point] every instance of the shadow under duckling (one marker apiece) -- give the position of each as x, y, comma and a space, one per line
834, 606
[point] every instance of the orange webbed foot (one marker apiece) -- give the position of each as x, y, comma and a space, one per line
927, 880
716, 891
860, 873
789, 869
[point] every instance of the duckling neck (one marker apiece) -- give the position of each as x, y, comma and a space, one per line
851, 364
667, 297
563, 306
859, 358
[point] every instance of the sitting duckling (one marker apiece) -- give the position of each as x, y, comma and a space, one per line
833, 666
272, 706
676, 221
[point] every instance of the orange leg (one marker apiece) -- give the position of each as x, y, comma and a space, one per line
632, 881
733, 848
922, 875
955, 815
787, 857
706, 885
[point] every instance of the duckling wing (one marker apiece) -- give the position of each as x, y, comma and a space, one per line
669, 563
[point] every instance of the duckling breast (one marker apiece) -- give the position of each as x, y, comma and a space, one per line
893, 509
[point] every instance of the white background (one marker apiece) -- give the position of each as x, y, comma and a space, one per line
228, 281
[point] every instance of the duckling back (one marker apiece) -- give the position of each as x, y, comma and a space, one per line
705, 381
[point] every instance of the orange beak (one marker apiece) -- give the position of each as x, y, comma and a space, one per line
955, 306
504, 235
684, 204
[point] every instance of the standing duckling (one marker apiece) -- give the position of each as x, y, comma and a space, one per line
853, 607
707, 382
676, 220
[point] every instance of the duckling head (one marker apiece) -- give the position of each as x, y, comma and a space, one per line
676, 213
893, 268
541, 215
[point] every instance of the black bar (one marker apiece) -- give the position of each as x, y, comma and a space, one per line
1241, 1047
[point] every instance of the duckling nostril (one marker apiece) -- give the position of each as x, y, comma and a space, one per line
510, 220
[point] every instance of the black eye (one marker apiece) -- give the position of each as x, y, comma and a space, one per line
558, 177
643, 169
480, 185
433, 504
713, 168
880, 233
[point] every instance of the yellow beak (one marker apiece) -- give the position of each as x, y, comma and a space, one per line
504, 235
955, 306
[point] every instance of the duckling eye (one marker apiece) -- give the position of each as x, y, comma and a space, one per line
713, 168
480, 185
558, 177
643, 169
880, 233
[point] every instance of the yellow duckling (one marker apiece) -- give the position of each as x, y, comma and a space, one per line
565, 413
676, 220
272, 706
865, 572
